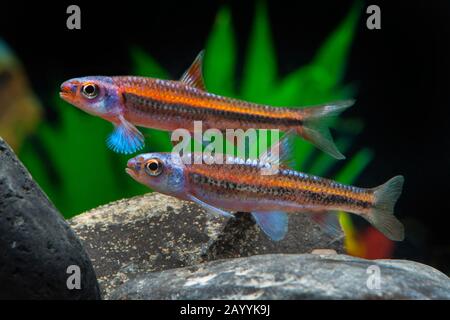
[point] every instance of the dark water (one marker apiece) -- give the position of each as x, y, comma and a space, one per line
401, 73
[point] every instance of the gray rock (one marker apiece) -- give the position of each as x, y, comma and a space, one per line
283, 276
144, 234
155, 232
36, 244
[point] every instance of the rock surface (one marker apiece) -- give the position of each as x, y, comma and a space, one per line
36, 244
155, 232
282, 276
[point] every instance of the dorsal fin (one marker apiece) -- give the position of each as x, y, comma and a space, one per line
281, 152
194, 75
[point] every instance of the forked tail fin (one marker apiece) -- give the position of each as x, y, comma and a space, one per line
315, 125
381, 216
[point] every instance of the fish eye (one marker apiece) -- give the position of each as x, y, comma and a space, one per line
90, 90
153, 167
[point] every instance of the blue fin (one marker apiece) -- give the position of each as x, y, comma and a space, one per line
273, 223
125, 138
211, 209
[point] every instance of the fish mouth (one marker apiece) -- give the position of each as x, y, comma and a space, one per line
64, 95
131, 168
67, 90
130, 172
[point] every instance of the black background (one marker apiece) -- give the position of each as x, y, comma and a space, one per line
402, 73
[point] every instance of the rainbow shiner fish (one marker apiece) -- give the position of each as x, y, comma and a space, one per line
238, 185
128, 101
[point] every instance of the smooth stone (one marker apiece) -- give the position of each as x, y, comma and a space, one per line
37, 245
291, 276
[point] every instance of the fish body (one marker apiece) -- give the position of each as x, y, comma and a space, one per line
168, 105
129, 101
238, 185
242, 187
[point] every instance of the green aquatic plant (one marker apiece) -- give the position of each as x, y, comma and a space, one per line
70, 161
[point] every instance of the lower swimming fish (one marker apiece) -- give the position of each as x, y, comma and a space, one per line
128, 101
238, 185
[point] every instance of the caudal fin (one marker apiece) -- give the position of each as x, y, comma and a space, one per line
315, 125
381, 216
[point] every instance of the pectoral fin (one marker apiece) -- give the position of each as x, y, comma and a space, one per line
211, 209
125, 138
273, 223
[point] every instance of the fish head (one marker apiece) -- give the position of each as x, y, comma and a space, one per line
97, 95
162, 172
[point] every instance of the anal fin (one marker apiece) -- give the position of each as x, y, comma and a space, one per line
329, 223
273, 223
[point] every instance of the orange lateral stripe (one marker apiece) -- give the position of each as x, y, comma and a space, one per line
282, 182
177, 96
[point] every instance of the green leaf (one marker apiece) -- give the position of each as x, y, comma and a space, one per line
220, 57
260, 68
330, 61
319, 81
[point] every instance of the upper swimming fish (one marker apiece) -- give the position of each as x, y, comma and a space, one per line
238, 185
128, 101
